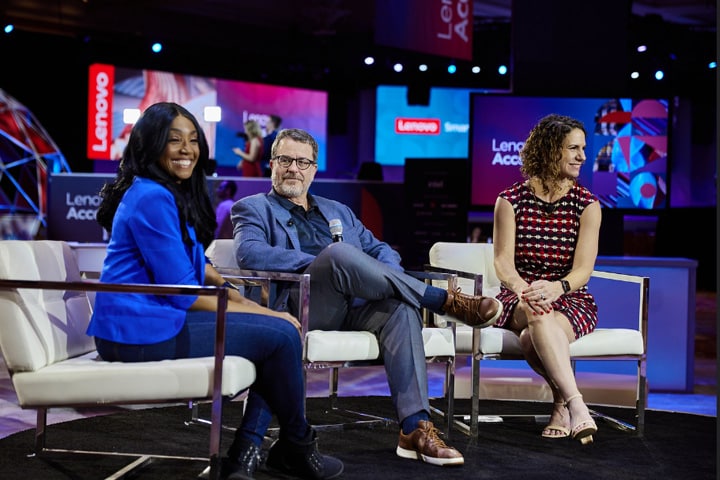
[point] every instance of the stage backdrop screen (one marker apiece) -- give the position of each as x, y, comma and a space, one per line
114, 91
436, 130
434, 27
627, 146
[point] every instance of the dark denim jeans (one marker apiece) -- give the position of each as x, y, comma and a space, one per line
272, 344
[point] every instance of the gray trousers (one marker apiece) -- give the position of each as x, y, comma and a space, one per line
349, 290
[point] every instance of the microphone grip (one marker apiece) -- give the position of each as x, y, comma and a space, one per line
336, 230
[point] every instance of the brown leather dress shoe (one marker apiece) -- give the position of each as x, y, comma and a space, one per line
473, 310
424, 444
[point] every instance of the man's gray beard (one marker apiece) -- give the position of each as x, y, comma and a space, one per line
289, 191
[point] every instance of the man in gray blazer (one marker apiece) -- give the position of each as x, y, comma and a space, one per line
356, 283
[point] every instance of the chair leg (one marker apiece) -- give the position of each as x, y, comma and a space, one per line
141, 459
641, 397
40, 430
475, 400
450, 393
334, 380
333, 401
195, 418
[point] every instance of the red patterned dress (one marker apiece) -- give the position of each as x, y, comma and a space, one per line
545, 239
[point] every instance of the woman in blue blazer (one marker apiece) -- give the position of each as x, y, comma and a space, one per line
160, 218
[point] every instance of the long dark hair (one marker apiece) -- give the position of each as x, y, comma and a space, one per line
140, 158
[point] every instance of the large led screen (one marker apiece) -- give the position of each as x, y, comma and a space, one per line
436, 130
627, 146
115, 92
434, 27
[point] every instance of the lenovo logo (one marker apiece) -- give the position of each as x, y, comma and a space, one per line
418, 126
100, 111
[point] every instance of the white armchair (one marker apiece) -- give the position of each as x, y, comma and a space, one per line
332, 350
473, 263
44, 312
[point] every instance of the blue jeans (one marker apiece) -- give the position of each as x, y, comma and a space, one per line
271, 343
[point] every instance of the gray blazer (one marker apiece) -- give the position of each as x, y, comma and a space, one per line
265, 238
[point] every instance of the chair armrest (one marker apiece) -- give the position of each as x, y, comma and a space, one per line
428, 276
477, 278
263, 279
643, 284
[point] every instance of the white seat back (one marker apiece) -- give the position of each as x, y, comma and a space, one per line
41, 327
468, 257
221, 253
476, 258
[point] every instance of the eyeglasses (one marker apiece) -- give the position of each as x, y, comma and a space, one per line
285, 162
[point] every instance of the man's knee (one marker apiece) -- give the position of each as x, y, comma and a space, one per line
333, 256
340, 252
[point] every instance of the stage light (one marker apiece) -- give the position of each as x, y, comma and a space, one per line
369, 60
659, 75
635, 75
212, 114
423, 67
9, 28
502, 69
157, 47
642, 48
398, 67
452, 69
476, 69
130, 115
712, 65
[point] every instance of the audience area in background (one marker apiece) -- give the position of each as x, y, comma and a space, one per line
225, 195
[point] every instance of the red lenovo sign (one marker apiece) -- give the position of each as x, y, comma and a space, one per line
418, 126
99, 130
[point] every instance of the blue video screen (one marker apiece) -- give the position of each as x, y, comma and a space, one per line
437, 130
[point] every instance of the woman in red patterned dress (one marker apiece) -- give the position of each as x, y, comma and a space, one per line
546, 240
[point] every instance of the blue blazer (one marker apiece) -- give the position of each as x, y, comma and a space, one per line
265, 238
146, 247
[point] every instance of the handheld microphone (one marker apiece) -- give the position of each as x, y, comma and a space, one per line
336, 230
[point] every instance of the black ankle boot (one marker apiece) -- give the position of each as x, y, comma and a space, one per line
303, 459
242, 461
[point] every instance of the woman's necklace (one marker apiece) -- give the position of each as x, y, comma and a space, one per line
546, 208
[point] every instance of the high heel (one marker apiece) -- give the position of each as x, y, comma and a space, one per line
556, 431
584, 430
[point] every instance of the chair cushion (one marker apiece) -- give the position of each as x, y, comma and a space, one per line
347, 346
87, 380
493, 341
608, 341
438, 342
340, 346
601, 342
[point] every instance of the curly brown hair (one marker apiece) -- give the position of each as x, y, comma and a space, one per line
542, 150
